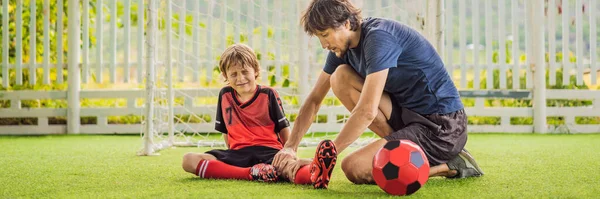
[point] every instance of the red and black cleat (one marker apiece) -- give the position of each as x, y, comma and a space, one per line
263, 172
322, 165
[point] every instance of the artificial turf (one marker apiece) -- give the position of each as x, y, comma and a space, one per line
86, 166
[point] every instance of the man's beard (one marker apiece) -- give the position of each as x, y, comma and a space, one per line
344, 50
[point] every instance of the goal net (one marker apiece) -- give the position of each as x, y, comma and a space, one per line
184, 40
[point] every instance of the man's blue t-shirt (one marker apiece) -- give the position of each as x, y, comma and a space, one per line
417, 79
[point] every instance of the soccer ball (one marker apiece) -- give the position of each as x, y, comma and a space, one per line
400, 167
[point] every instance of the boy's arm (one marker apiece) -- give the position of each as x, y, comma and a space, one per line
277, 114
284, 135
219, 121
225, 137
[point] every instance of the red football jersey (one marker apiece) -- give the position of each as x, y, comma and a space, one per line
256, 122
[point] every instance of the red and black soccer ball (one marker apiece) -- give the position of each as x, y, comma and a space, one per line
400, 167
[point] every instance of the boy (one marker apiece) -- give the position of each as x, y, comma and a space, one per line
253, 120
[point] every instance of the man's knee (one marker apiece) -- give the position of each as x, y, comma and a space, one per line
354, 171
339, 79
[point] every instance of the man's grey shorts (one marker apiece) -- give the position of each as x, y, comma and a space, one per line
441, 136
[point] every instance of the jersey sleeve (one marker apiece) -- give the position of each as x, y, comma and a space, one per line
332, 62
381, 51
219, 122
276, 111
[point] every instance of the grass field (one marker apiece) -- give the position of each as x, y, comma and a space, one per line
516, 166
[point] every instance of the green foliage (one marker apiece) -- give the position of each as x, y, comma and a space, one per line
53, 58
176, 22
521, 120
204, 118
273, 79
508, 53
587, 120
286, 83
342, 118
321, 119
39, 85
331, 101
52, 32
292, 100
483, 120
18, 121
527, 102
127, 119
291, 117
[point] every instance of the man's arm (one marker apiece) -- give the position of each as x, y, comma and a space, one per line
308, 110
306, 116
365, 111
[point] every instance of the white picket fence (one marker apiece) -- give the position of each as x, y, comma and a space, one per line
116, 60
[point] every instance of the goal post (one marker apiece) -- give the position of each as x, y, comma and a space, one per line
183, 42
148, 135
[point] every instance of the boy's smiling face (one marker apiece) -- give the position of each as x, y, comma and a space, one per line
242, 78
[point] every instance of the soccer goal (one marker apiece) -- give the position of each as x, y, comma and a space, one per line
184, 40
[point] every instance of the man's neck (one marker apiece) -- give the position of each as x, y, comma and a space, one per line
355, 37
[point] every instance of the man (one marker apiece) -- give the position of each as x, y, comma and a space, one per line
392, 81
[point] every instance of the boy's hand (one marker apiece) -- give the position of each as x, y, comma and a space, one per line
283, 157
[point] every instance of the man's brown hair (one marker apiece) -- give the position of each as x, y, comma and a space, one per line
323, 14
238, 54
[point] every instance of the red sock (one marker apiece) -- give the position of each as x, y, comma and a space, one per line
303, 175
220, 170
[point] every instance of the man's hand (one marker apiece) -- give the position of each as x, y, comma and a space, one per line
283, 157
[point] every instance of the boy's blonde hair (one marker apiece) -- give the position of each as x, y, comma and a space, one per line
239, 54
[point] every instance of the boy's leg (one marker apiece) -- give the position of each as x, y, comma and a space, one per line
297, 171
301, 171
208, 166
294, 170
191, 160
263, 172
303, 175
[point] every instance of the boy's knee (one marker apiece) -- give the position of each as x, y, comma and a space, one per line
189, 162
188, 156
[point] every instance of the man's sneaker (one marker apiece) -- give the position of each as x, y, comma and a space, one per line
465, 165
263, 172
322, 165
